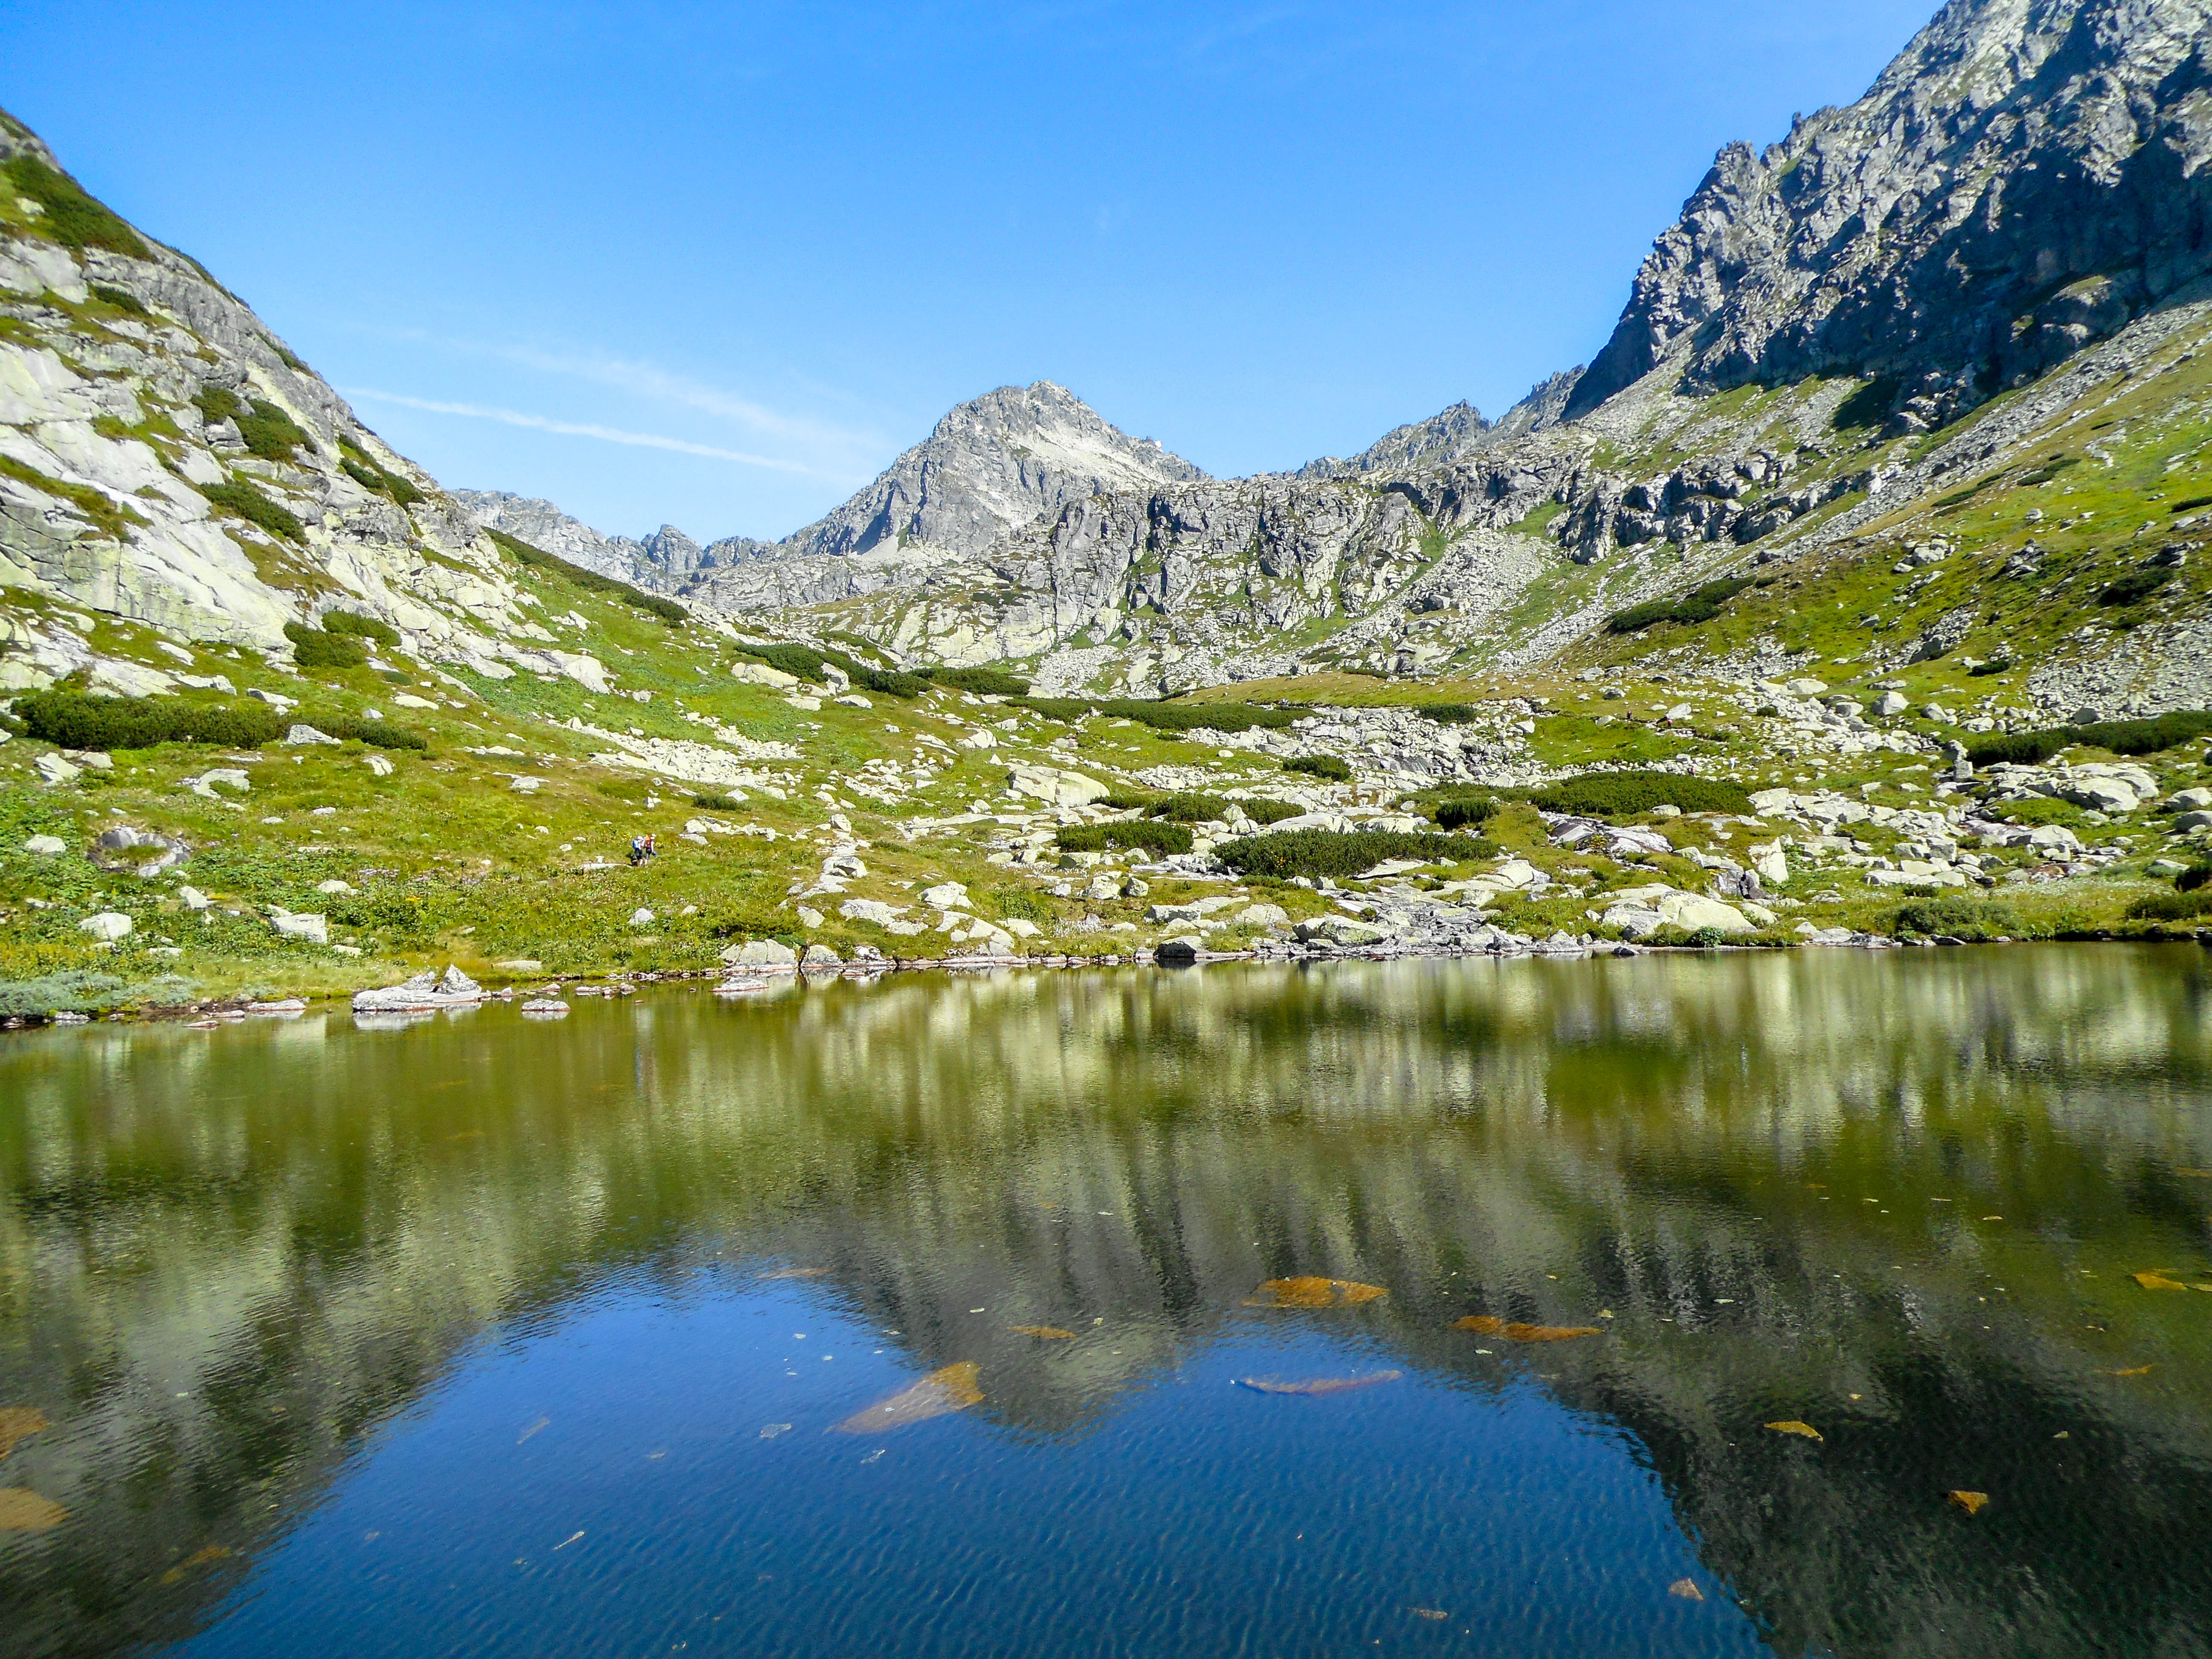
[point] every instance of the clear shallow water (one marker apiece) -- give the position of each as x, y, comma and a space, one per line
460, 1337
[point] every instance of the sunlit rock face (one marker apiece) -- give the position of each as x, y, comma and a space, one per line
2023, 179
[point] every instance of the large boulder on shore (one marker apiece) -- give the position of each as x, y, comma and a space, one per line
764, 953
424, 993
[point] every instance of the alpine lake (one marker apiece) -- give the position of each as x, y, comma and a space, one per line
1817, 1302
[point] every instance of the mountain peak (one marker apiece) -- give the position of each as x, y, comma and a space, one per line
1915, 235
992, 464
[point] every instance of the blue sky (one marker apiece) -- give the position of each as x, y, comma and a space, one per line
716, 265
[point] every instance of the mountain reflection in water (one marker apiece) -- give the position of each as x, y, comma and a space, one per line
1897, 1199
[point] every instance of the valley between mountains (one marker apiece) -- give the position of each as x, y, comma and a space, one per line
1855, 592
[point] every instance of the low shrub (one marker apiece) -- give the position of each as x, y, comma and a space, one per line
121, 299
716, 802
2172, 907
809, 663
2196, 876
590, 580
1122, 799
1270, 811
1147, 834
1461, 810
1955, 917
1172, 717
1191, 808
75, 992
1334, 766
2143, 736
377, 734
1995, 666
69, 215
1317, 852
367, 628
801, 662
241, 499
368, 475
1869, 405
2135, 586
1697, 605
890, 682
983, 682
271, 435
75, 719
1449, 713
312, 648
1627, 794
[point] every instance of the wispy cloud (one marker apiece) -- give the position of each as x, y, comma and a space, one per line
650, 381
604, 434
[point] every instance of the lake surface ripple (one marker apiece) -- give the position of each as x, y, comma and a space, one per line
1423, 1307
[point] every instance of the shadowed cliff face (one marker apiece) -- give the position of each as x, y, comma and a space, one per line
2023, 179
230, 1257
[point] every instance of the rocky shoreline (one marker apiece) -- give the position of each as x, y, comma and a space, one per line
384, 1007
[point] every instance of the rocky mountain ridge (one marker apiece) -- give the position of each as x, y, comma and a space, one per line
166, 461
2027, 177
170, 462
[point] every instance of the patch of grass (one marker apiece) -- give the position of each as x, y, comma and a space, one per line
590, 580
1148, 834
1629, 794
241, 499
69, 214
73, 719
1333, 767
1317, 852
1973, 920
108, 516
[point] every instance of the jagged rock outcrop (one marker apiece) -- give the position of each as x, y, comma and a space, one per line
668, 560
993, 464
2026, 176
1405, 448
538, 521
